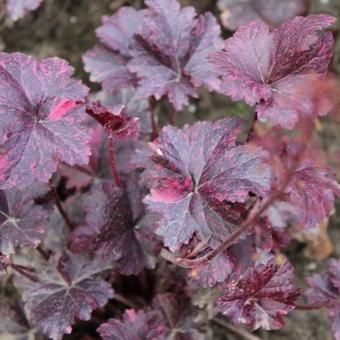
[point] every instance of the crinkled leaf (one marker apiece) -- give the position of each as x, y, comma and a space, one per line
16, 9
273, 12
265, 67
134, 325
136, 106
22, 222
69, 287
170, 59
194, 171
164, 46
116, 122
39, 119
260, 296
110, 228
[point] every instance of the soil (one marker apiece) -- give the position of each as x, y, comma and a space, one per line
66, 28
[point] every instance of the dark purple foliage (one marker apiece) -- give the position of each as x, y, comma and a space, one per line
162, 49
261, 296
134, 325
16, 9
69, 287
273, 12
98, 193
194, 171
109, 229
22, 222
266, 67
43, 128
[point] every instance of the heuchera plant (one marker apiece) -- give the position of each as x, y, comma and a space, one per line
94, 193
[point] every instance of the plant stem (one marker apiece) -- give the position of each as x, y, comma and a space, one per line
253, 217
43, 253
242, 332
25, 271
125, 301
60, 207
173, 116
153, 117
114, 169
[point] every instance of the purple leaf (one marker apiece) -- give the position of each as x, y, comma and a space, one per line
260, 296
164, 46
116, 122
312, 194
39, 119
16, 9
107, 62
325, 290
194, 171
69, 287
266, 67
108, 68
22, 222
110, 228
134, 325
171, 57
273, 12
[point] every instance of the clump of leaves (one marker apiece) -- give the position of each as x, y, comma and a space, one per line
112, 226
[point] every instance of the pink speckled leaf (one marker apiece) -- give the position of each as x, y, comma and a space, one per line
22, 222
16, 9
273, 12
116, 122
110, 228
171, 57
39, 119
194, 171
69, 287
260, 296
146, 325
265, 67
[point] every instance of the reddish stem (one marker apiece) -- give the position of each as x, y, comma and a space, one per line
60, 207
173, 116
114, 169
43, 253
153, 116
253, 217
25, 271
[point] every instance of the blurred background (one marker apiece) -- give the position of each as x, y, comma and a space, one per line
66, 28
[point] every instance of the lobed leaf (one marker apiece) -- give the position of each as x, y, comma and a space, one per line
70, 287
267, 67
194, 172
39, 119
